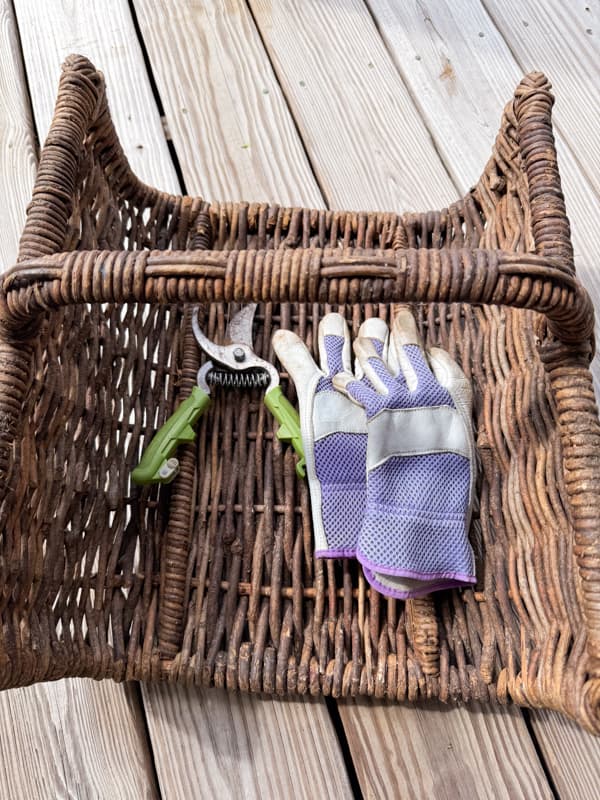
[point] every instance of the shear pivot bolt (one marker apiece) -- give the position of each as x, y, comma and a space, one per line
239, 354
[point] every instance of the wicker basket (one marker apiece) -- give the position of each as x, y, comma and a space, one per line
212, 580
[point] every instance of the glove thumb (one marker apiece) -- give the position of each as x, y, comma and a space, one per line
296, 358
452, 378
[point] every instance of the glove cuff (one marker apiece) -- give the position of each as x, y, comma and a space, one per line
418, 544
406, 588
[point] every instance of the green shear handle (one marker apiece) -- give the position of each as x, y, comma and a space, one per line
158, 464
289, 424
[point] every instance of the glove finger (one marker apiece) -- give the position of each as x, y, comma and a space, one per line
373, 366
296, 358
409, 352
334, 345
448, 373
358, 391
377, 331
445, 368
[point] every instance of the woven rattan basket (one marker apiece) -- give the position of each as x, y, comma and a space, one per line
212, 580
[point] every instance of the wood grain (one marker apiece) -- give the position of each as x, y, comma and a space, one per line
210, 743
562, 39
226, 113
571, 755
103, 31
363, 134
73, 738
442, 752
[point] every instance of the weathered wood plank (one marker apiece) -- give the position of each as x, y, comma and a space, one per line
461, 71
364, 136
333, 49
224, 106
73, 738
216, 744
563, 40
102, 31
442, 752
571, 755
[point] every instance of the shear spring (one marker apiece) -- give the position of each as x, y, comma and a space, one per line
251, 379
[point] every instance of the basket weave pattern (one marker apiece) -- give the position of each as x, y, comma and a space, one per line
212, 580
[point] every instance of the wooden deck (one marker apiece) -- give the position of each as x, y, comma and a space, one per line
374, 104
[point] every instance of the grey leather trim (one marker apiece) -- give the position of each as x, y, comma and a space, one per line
416, 431
335, 413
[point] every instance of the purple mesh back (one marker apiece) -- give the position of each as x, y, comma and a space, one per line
324, 384
333, 347
415, 519
438, 482
378, 345
340, 467
427, 393
340, 458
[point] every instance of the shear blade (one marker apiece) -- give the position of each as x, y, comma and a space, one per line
238, 332
239, 329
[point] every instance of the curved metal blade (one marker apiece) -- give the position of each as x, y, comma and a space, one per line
238, 355
239, 330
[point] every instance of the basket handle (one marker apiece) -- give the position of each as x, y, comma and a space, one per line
346, 276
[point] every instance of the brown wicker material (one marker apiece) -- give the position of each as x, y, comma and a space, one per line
212, 580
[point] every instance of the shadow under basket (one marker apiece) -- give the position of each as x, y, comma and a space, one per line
212, 580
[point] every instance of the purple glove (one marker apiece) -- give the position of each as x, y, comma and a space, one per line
334, 432
420, 465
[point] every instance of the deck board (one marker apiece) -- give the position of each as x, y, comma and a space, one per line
102, 31
74, 739
571, 755
563, 39
443, 752
243, 746
363, 134
232, 131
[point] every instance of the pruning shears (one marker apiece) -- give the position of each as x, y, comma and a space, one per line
232, 365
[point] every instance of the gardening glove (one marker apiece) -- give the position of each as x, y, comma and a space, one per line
420, 465
334, 433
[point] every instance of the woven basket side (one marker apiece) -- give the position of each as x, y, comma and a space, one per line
567, 367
